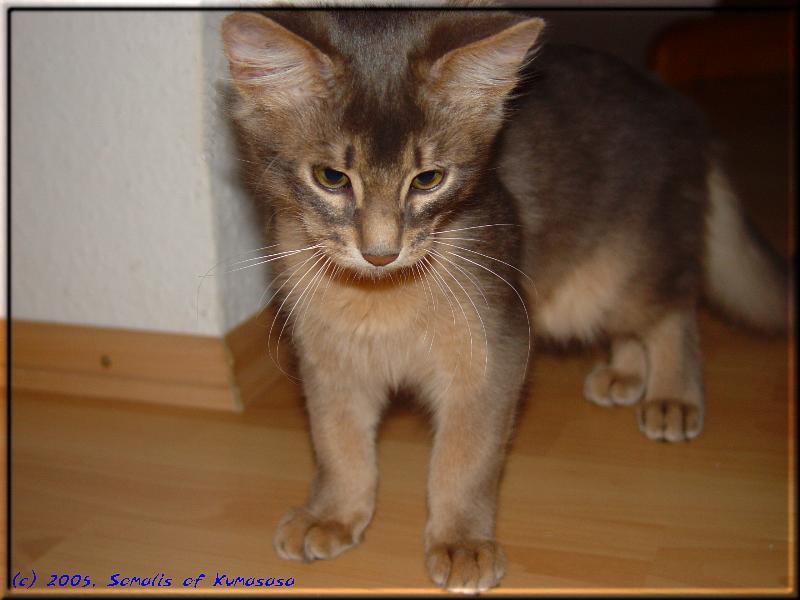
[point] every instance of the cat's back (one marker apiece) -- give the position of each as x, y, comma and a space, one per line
590, 135
591, 88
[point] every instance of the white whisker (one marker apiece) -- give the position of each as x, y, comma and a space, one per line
277, 312
321, 275
288, 278
276, 256
522, 301
430, 270
461, 238
480, 291
477, 227
298, 303
485, 256
477, 312
468, 276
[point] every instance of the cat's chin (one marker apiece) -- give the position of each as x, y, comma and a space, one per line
390, 275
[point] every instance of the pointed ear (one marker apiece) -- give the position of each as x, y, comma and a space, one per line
272, 65
486, 69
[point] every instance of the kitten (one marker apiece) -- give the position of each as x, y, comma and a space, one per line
439, 193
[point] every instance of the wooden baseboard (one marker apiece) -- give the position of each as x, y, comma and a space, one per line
173, 369
163, 368
254, 371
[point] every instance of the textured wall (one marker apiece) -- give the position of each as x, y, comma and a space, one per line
112, 212
238, 221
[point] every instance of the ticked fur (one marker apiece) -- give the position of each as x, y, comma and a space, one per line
578, 200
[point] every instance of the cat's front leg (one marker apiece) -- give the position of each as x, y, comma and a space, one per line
472, 429
344, 418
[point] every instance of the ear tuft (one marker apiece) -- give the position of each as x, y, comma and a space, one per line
270, 63
489, 66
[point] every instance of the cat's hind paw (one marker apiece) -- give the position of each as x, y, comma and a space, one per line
468, 567
607, 386
301, 536
669, 420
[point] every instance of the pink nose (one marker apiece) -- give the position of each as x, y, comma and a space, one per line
380, 260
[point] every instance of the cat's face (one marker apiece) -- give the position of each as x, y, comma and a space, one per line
371, 128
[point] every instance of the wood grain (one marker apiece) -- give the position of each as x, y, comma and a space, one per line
586, 502
255, 370
183, 370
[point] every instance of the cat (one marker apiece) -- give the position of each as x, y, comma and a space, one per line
442, 188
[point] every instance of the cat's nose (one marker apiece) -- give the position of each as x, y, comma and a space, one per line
380, 260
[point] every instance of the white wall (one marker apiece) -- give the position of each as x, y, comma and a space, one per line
124, 177
113, 217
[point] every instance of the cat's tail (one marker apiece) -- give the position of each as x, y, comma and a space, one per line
744, 276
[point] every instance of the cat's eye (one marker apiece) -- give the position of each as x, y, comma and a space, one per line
427, 180
331, 178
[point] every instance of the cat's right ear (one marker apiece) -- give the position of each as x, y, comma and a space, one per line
270, 64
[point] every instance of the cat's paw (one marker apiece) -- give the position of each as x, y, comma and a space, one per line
607, 386
669, 420
302, 536
467, 567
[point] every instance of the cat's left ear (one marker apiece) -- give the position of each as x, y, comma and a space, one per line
272, 65
486, 69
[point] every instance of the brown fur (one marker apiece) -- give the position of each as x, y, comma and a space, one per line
574, 204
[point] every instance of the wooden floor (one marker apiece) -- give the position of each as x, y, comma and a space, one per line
102, 487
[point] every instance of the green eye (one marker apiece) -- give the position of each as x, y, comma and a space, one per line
331, 178
427, 180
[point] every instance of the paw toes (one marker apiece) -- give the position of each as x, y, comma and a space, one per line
669, 420
327, 540
290, 536
466, 567
607, 386
438, 564
301, 536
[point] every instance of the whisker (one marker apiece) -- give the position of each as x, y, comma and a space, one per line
277, 312
476, 227
463, 312
274, 257
319, 277
265, 172
334, 273
246, 260
415, 280
477, 312
297, 303
425, 278
426, 286
288, 278
208, 274
486, 256
468, 276
430, 270
522, 301
461, 238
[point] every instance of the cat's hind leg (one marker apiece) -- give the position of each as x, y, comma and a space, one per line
621, 381
672, 409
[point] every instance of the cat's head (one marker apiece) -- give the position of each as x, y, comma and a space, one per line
372, 126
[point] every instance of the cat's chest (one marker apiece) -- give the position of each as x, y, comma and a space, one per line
360, 314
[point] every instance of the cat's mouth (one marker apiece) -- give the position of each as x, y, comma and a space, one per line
376, 265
